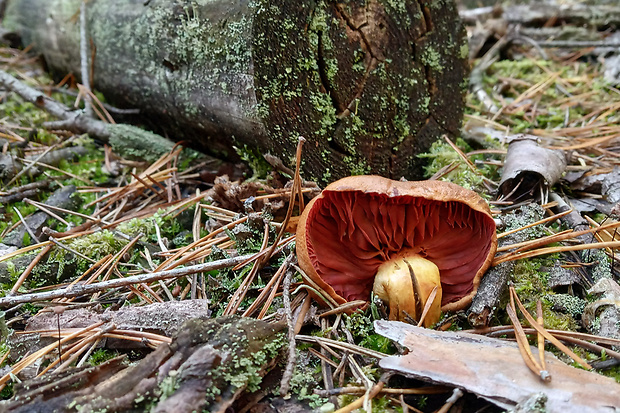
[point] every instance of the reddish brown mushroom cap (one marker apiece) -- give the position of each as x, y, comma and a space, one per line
360, 222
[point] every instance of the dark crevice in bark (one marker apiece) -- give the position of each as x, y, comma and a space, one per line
358, 29
367, 48
428, 21
428, 24
325, 83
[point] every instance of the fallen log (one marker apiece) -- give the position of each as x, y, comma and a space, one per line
369, 84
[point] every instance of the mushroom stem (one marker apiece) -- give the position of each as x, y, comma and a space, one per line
405, 283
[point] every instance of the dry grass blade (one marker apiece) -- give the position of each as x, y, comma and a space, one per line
29, 268
541, 339
341, 345
295, 194
376, 389
343, 308
305, 307
602, 233
569, 337
323, 358
427, 306
269, 291
240, 293
546, 334
461, 154
33, 247
499, 330
203, 247
310, 285
264, 252
149, 186
78, 290
524, 346
53, 168
526, 245
552, 250
26, 361
561, 236
130, 335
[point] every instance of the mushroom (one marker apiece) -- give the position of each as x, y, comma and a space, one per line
399, 240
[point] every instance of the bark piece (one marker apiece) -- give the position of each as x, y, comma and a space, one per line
209, 364
369, 84
494, 370
602, 316
159, 318
601, 267
493, 284
529, 169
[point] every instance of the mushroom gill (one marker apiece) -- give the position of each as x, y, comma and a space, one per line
359, 224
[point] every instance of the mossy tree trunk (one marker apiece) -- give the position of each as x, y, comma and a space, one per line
368, 83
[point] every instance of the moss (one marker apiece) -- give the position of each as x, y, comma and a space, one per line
168, 385
442, 155
246, 362
101, 355
432, 58
98, 244
255, 160
464, 51
306, 377
530, 283
134, 143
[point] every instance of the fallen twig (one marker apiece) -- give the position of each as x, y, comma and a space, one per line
77, 290
290, 364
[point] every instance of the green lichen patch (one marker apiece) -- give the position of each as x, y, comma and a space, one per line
247, 348
360, 100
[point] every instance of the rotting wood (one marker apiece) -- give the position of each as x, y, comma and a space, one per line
209, 365
369, 85
159, 318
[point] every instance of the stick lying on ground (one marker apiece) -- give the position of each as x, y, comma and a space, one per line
77, 290
143, 144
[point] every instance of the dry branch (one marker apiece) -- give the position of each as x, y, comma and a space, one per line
84, 289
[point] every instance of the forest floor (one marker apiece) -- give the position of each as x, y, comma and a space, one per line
103, 257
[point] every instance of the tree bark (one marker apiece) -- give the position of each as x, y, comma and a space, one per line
369, 83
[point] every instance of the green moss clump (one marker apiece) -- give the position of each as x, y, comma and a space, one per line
307, 376
531, 284
100, 356
442, 155
134, 143
255, 160
97, 245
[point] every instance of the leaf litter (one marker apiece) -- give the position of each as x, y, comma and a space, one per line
142, 237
